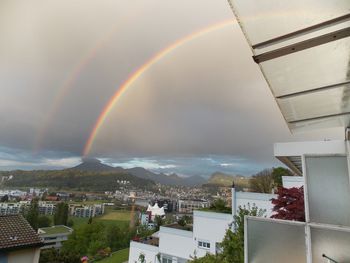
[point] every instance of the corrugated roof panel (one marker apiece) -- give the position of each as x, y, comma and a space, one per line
303, 49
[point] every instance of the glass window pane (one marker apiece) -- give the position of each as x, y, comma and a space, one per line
328, 190
312, 68
331, 101
332, 243
263, 20
275, 242
341, 121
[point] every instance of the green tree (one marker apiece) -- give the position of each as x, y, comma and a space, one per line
143, 231
159, 222
70, 222
4, 199
87, 239
33, 214
220, 205
262, 182
277, 174
61, 214
113, 235
44, 221
43, 197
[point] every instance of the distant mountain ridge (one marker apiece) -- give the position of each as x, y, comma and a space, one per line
223, 179
95, 165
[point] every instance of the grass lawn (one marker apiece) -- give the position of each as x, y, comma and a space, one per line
111, 217
55, 230
118, 257
115, 215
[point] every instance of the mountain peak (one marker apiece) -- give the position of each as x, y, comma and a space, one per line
92, 164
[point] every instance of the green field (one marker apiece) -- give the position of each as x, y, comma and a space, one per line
118, 257
115, 215
111, 217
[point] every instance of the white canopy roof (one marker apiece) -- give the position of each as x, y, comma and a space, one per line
156, 210
303, 49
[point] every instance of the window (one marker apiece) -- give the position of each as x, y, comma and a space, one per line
203, 244
167, 260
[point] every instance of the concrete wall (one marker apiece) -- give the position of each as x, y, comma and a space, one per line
149, 251
24, 256
176, 242
209, 227
262, 201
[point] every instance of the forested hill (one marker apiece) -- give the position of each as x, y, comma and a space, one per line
92, 164
73, 179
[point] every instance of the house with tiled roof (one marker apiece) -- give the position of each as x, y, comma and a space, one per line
19, 242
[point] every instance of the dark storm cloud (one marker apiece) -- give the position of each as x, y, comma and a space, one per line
13, 159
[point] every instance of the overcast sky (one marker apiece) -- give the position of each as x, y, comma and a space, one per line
202, 108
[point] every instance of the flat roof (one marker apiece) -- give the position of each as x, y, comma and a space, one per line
55, 230
291, 153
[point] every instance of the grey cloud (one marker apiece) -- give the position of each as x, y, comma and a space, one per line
207, 97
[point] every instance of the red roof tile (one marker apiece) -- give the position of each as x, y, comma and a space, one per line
15, 233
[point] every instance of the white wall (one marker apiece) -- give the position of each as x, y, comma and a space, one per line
262, 201
24, 256
292, 181
176, 242
149, 251
209, 227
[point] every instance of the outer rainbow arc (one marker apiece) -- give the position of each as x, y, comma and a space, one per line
138, 73
73, 76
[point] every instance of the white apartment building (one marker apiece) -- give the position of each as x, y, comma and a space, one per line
10, 208
46, 208
174, 244
86, 210
54, 236
188, 205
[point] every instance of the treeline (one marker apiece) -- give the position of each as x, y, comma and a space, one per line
37, 221
73, 179
268, 180
94, 239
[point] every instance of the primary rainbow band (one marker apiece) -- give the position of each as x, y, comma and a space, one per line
138, 73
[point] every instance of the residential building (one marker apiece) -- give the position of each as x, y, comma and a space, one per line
46, 208
325, 236
175, 243
10, 208
86, 210
19, 243
188, 205
54, 236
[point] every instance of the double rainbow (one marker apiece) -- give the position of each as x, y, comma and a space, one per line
139, 72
